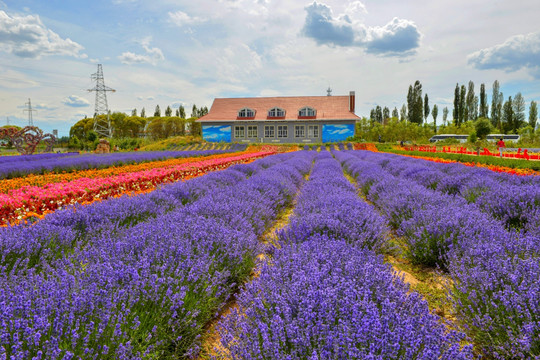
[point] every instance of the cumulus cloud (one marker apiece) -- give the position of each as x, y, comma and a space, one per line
151, 56
27, 37
517, 52
397, 38
180, 18
324, 28
76, 101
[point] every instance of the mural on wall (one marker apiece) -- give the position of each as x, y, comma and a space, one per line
217, 133
334, 133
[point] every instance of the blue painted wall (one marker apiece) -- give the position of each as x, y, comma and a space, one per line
217, 133
334, 133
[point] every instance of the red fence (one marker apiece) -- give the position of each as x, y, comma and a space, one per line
520, 154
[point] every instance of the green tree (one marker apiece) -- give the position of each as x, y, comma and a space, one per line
395, 113
134, 112
482, 127
496, 106
143, 113
456, 111
182, 112
508, 116
378, 114
403, 113
386, 114
484, 107
533, 114
445, 115
434, 114
463, 111
415, 103
426, 107
472, 103
168, 111
157, 112
518, 106
194, 111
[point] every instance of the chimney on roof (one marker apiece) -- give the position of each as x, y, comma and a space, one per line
351, 101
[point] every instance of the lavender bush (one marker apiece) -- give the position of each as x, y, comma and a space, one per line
321, 297
145, 290
494, 268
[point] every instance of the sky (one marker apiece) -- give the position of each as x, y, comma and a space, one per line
176, 52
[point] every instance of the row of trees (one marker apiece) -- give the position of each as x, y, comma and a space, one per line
506, 116
180, 112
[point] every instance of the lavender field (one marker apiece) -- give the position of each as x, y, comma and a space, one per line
143, 277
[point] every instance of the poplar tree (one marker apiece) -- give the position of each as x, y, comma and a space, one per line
496, 106
182, 112
463, 111
157, 112
143, 113
533, 114
508, 115
134, 112
445, 115
403, 113
168, 111
518, 106
434, 114
455, 112
386, 113
484, 107
471, 103
426, 107
395, 113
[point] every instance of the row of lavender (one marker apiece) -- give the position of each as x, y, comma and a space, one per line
18, 166
138, 276
495, 269
326, 294
515, 200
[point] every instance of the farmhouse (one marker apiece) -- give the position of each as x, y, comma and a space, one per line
294, 119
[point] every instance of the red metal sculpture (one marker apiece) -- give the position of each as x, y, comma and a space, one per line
27, 139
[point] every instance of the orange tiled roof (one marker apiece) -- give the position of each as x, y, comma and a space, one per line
327, 107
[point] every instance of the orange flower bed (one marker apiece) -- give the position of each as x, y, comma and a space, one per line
42, 180
495, 168
365, 146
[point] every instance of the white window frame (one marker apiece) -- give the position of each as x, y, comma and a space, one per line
252, 131
307, 111
239, 131
269, 131
299, 131
276, 112
246, 113
313, 131
282, 131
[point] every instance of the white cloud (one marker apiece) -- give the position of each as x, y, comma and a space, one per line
517, 52
399, 37
76, 101
152, 55
180, 18
27, 37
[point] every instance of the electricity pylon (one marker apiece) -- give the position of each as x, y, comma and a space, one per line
30, 110
101, 107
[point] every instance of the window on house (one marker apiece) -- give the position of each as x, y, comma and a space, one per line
299, 131
276, 112
306, 111
239, 131
246, 113
282, 131
313, 131
269, 131
252, 131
